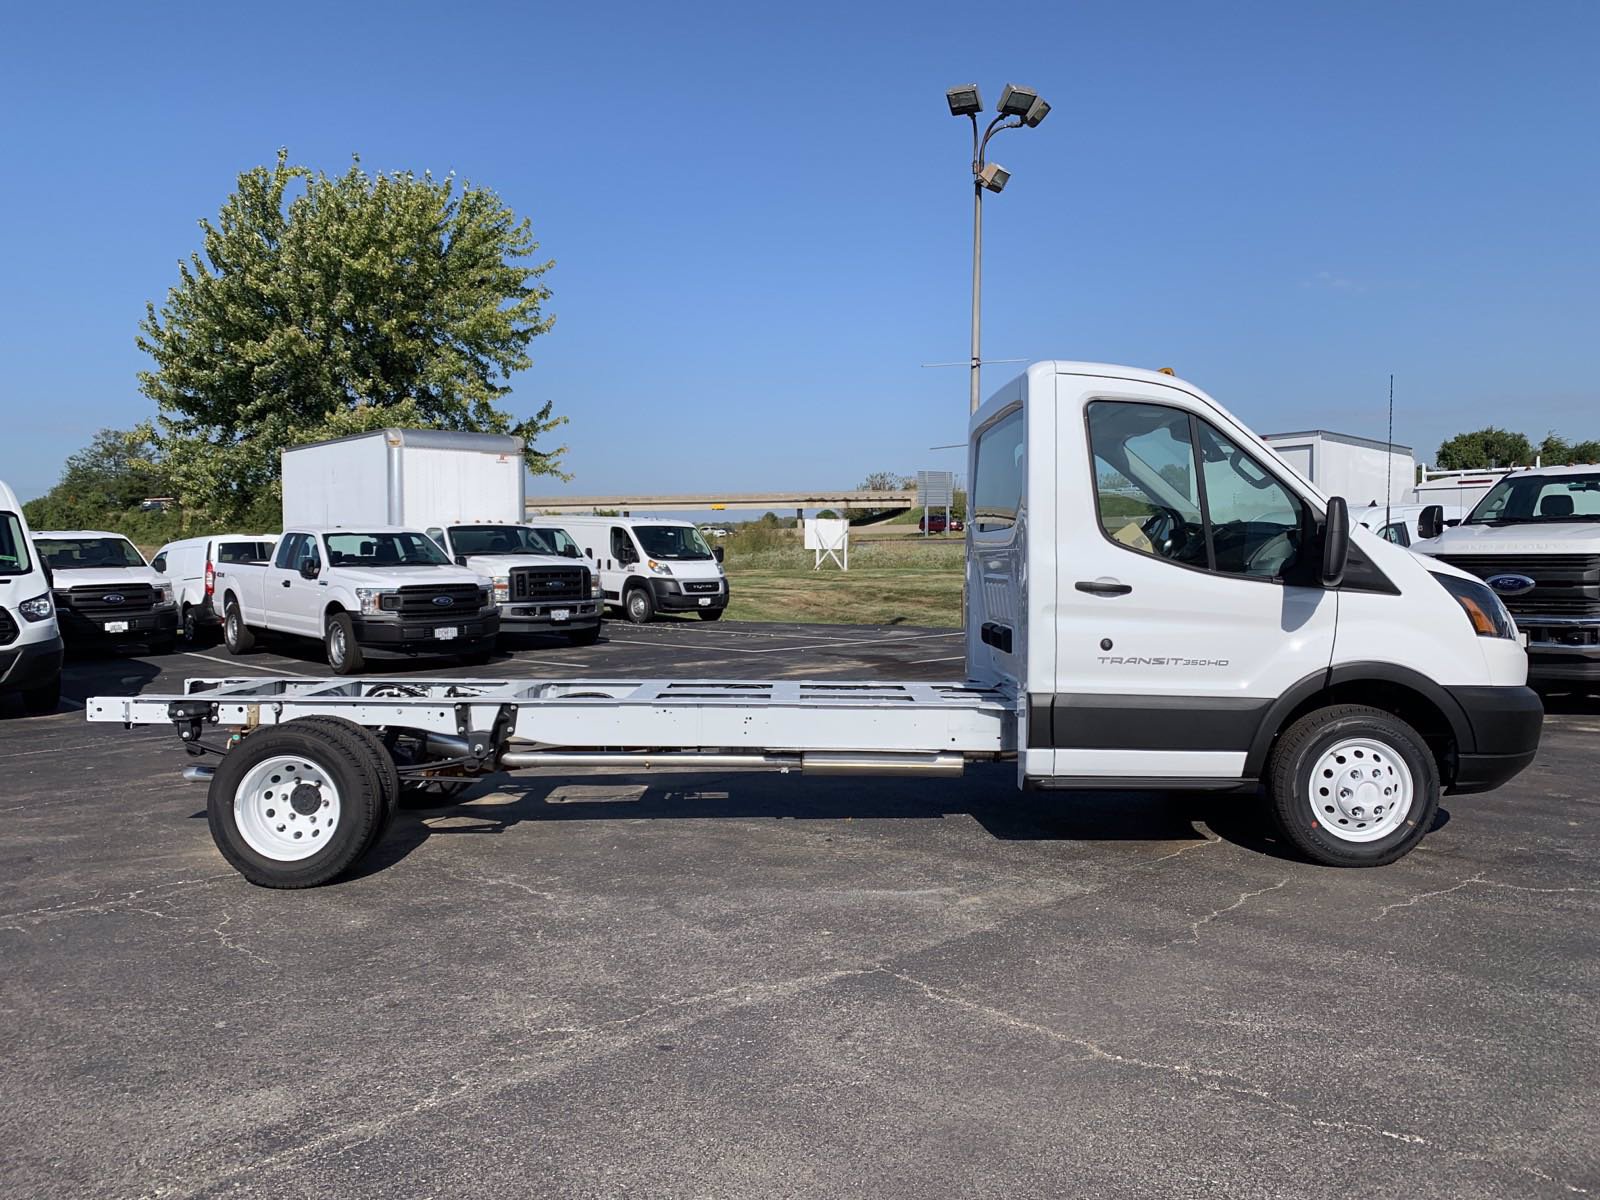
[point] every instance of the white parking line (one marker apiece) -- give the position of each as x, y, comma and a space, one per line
949, 658
236, 665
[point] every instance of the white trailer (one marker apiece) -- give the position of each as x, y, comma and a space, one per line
411, 478
1154, 602
1362, 470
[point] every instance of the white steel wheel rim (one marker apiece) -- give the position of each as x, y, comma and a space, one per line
1361, 790
336, 646
232, 627
278, 817
636, 604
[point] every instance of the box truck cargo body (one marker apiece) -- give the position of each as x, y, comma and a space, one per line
415, 478
1362, 470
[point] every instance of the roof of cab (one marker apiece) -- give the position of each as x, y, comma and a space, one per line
77, 534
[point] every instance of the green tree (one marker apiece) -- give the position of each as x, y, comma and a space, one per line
1556, 451
326, 306
1485, 448
101, 483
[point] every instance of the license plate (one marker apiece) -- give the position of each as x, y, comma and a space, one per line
116, 627
448, 632
705, 601
561, 614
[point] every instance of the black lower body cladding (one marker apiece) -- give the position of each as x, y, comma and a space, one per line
1506, 723
31, 665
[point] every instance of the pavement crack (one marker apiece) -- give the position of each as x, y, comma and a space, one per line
226, 941
1478, 880
1244, 898
92, 905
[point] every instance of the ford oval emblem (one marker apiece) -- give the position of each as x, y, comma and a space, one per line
1510, 585
114, 597
444, 601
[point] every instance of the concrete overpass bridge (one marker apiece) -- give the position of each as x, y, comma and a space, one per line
777, 501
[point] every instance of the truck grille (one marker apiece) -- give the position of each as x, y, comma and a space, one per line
701, 587
1564, 585
426, 600
108, 599
549, 583
8, 628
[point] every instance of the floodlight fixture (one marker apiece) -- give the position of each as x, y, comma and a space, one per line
964, 101
1037, 111
1015, 101
993, 177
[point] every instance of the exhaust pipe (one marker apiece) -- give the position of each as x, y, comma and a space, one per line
448, 745
198, 774
811, 762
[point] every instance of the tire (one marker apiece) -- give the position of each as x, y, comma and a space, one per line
1326, 781
254, 821
44, 699
585, 637
368, 743
711, 614
339, 643
188, 626
236, 635
641, 610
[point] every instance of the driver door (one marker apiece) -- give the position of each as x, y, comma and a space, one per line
1180, 618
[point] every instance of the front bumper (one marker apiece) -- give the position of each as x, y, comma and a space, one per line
151, 623
530, 618
1506, 723
418, 636
669, 596
29, 665
1562, 649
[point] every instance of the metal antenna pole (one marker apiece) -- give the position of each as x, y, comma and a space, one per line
1388, 485
977, 291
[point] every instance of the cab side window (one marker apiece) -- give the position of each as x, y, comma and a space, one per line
289, 551
1170, 485
1000, 474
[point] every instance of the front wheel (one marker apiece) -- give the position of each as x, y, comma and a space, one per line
711, 614
1353, 786
339, 640
639, 606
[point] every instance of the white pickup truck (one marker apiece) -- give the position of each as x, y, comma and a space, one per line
541, 582
358, 591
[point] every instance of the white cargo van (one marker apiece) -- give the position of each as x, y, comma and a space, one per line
1535, 539
30, 640
648, 566
105, 592
1155, 602
193, 565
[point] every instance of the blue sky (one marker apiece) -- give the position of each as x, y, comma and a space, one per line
760, 215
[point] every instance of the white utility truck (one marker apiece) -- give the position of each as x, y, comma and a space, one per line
468, 492
361, 590
1154, 602
652, 565
1535, 539
30, 639
105, 592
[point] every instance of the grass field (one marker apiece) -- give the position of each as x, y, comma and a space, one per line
889, 583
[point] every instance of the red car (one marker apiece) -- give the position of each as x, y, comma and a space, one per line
935, 523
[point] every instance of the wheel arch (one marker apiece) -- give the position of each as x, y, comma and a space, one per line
1417, 700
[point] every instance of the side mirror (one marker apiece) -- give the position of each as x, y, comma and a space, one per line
588, 553
1430, 523
49, 574
571, 551
310, 569
461, 560
1335, 542
718, 554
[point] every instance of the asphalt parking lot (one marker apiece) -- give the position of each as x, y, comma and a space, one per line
729, 985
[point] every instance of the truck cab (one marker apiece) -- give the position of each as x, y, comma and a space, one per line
105, 592
364, 590
542, 583
1535, 539
30, 639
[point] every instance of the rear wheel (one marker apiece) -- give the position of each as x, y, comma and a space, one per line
364, 741
236, 634
344, 653
295, 805
188, 626
638, 605
1353, 786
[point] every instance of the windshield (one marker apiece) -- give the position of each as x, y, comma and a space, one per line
511, 539
672, 542
14, 559
71, 554
1539, 499
383, 550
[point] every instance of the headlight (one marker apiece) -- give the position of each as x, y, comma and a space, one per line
37, 609
658, 568
502, 589
1483, 608
376, 600
163, 594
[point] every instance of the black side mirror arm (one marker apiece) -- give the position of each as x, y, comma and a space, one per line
1335, 542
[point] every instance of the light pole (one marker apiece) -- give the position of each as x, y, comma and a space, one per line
1018, 106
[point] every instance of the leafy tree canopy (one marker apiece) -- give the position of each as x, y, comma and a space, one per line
322, 306
1502, 448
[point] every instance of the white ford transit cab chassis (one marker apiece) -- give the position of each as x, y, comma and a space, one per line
1154, 601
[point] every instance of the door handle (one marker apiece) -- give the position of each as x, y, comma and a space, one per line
1103, 587
285, 583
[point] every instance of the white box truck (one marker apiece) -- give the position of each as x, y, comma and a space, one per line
1364, 471
467, 492
1154, 602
